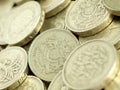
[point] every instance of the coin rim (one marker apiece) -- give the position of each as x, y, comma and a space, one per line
24, 66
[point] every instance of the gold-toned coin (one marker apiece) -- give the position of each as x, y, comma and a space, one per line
31, 83
23, 23
13, 62
113, 6
52, 7
91, 65
110, 34
49, 51
87, 17
57, 83
58, 21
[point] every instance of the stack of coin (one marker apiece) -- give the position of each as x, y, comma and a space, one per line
59, 45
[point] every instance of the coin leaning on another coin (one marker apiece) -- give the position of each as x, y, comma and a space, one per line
91, 65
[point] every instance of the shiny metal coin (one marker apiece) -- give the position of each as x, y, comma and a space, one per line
24, 23
91, 65
49, 51
87, 17
13, 62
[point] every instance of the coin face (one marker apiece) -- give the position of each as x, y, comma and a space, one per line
13, 62
52, 7
113, 6
87, 17
31, 83
90, 65
57, 83
22, 23
110, 34
49, 51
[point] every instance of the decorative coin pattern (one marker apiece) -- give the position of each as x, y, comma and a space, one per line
90, 64
13, 62
87, 17
49, 51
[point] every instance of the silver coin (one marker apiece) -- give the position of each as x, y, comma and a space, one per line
91, 65
49, 51
13, 62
